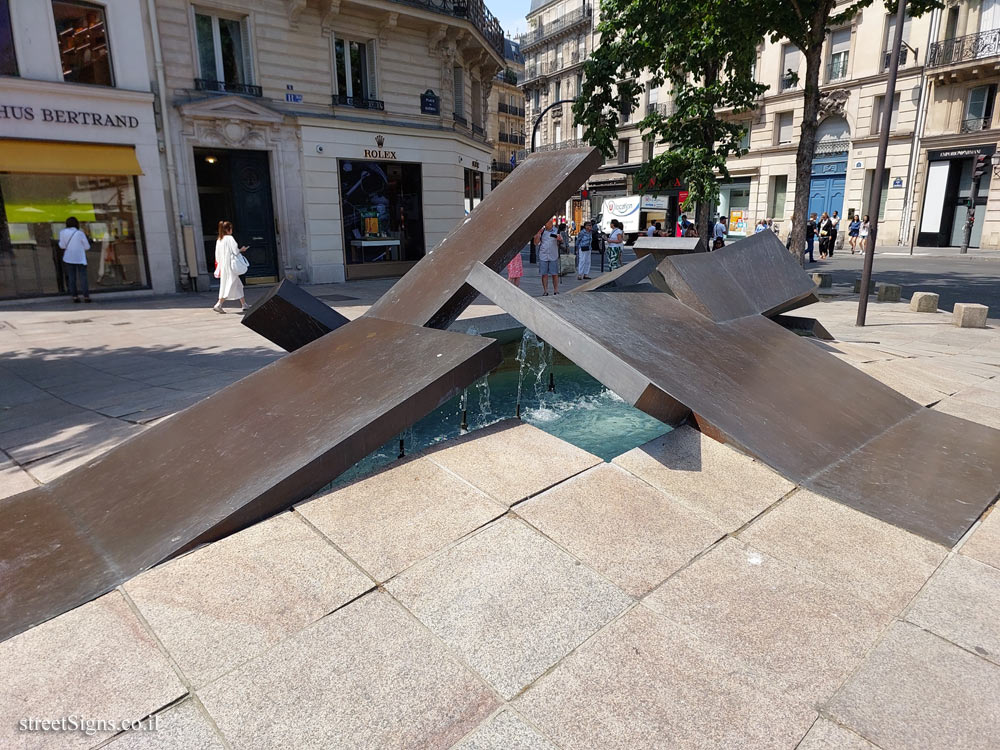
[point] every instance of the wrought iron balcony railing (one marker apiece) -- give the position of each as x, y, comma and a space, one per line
205, 84
975, 124
358, 102
789, 82
904, 58
500, 166
478, 130
474, 11
460, 119
837, 69
507, 109
661, 108
565, 22
963, 48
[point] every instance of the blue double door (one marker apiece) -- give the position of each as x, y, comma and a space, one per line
826, 188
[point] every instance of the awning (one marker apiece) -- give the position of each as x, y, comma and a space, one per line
58, 157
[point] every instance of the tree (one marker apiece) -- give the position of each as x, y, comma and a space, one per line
705, 50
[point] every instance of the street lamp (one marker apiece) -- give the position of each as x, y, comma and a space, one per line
538, 120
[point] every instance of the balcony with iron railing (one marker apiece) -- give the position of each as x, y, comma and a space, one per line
460, 119
358, 102
500, 166
663, 109
975, 124
227, 87
474, 11
964, 49
836, 70
517, 140
551, 67
905, 58
507, 109
563, 23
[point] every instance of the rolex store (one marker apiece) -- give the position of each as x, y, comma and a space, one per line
42, 184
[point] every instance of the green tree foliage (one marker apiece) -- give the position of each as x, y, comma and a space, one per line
705, 50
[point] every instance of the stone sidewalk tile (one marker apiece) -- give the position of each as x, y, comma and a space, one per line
180, 727
946, 379
389, 521
628, 531
509, 601
645, 682
916, 690
28, 445
984, 543
825, 735
366, 676
512, 460
970, 410
14, 479
95, 661
716, 481
505, 731
29, 415
807, 636
227, 602
47, 469
987, 394
902, 382
962, 604
875, 561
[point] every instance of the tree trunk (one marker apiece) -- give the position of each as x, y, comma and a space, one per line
704, 220
807, 142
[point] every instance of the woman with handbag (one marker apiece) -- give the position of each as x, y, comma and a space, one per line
825, 231
230, 264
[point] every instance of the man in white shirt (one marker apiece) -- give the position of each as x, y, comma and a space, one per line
720, 234
651, 230
75, 245
548, 241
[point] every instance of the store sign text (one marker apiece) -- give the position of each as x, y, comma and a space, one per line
67, 116
371, 153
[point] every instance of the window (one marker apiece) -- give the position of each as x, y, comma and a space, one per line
840, 48
877, 114
979, 108
355, 71
8, 60
745, 138
623, 150
458, 76
890, 36
559, 57
866, 196
223, 52
784, 127
579, 83
477, 103
557, 91
648, 146
779, 189
557, 133
789, 66
624, 109
83, 43
536, 96
473, 189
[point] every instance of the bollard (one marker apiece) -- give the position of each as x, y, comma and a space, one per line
969, 315
857, 286
924, 302
823, 280
888, 293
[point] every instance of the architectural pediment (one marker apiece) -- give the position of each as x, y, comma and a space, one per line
231, 107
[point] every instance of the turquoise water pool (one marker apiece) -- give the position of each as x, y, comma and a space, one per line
578, 409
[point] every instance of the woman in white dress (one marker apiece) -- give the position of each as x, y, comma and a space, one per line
226, 252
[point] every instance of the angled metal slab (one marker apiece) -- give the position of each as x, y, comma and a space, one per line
434, 292
628, 275
241, 455
291, 317
769, 392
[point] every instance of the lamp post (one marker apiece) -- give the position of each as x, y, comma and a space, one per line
534, 132
875, 199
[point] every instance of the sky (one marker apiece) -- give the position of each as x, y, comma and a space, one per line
510, 13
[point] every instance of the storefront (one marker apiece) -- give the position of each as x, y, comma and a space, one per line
948, 187
67, 151
734, 206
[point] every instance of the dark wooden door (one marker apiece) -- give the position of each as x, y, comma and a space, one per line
253, 211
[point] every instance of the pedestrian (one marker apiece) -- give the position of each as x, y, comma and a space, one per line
682, 225
811, 236
515, 269
74, 244
853, 230
834, 229
651, 229
547, 241
718, 234
824, 235
789, 225
564, 235
863, 234
615, 241
226, 259
659, 230
584, 243
760, 226
774, 227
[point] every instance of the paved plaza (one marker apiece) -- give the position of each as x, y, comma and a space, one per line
506, 589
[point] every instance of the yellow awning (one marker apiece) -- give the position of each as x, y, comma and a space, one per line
57, 157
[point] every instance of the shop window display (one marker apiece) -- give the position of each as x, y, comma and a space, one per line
83, 42
383, 217
34, 208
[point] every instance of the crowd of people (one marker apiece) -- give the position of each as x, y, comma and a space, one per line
827, 227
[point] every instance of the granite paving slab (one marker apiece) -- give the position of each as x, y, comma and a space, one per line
715, 480
28, 415
517, 460
873, 560
624, 528
825, 735
14, 479
644, 681
505, 731
805, 634
96, 661
181, 727
227, 602
909, 385
509, 602
970, 410
917, 690
986, 394
365, 676
984, 543
25, 446
389, 521
961, 602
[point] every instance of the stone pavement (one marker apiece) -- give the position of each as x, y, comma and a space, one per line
475, 596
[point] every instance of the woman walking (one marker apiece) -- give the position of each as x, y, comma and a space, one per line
226, 259
853, 230
515, 270
825, 229
863, 233
615, 241
75, 245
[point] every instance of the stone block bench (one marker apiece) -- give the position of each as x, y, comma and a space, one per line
924, 302
969, 315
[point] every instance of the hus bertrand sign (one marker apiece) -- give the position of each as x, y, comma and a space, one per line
67, 116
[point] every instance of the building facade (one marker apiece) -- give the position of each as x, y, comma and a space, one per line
505, 124
343, 139
78, 137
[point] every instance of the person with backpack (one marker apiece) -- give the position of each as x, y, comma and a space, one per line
74, 244
230, 264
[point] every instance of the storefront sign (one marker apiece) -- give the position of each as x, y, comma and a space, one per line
379, 153
430, 103
966, 152
682, 197
898, 182
67, 116
475, 165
